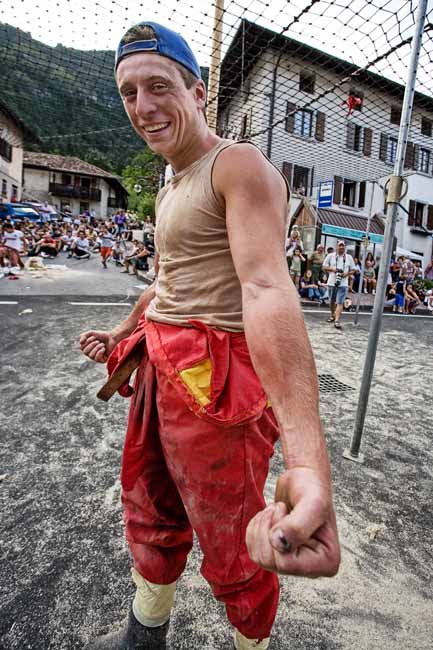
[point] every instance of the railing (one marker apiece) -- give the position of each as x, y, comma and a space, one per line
75, 191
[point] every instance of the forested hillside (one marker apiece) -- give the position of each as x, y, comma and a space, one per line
59, 91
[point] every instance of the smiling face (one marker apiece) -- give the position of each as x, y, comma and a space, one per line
163, 111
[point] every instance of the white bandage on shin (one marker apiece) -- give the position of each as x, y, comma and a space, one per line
152, 603
242, 643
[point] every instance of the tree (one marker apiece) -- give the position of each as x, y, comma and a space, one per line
145, 170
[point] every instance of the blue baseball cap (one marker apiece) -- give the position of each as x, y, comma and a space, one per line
167, 43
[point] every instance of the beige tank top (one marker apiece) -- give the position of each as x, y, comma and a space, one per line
196, 279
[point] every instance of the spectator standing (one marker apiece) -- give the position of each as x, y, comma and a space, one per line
292, 243
317, 258
369, 274
340, 266
295, 268
107, 243
11, 245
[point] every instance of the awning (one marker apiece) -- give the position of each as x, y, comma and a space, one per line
406, 253
349, 220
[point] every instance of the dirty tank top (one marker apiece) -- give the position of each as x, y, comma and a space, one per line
197, 278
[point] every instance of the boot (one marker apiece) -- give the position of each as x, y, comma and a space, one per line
133, 636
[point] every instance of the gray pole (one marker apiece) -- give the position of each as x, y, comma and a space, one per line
394, 196
364, 255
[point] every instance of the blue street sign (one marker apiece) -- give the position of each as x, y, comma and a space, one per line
326, 192
348, 233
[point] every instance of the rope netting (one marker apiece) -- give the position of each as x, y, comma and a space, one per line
310, 82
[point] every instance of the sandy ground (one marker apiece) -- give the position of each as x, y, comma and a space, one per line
64, 562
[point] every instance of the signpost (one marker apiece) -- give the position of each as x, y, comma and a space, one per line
326, 192
349, 233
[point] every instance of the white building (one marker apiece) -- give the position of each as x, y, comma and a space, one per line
271, 80
12, 133
68, 181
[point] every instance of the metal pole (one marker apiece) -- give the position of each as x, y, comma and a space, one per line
364, 255
215, 65
394, 196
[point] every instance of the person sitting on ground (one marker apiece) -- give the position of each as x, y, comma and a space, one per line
46, 247
80, 246
295, 267
308, 288
355, 278
138, 252
412, 299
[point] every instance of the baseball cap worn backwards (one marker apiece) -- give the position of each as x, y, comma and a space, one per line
167, 43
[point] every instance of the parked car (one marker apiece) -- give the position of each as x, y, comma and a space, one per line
18, 212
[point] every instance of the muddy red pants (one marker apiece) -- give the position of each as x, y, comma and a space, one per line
199, 465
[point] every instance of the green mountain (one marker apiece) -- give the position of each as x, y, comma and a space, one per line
68, 97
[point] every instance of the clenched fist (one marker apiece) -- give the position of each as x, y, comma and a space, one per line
297, 535
97, 345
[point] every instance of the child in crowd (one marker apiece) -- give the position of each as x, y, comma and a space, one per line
295, 268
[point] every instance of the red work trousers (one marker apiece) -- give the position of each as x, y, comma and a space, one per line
201, 475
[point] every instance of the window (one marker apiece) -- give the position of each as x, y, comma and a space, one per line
395, 115
14, 192
83, 206
5, 150
4, 188
424, 161
419, 214
303, 123
307, 82
349, 193
426, 127
354, 137
361, 196
391, 150
300, 179
66, 179
85, 182
416, 214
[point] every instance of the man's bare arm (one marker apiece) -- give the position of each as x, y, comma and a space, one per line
256, 209
98, 345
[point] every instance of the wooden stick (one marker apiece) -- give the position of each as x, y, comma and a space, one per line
122, 373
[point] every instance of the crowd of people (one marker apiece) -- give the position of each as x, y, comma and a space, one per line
331, 276
81, 237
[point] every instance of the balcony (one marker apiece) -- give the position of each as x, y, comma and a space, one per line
75, 191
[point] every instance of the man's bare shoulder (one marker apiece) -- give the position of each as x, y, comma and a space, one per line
244, 164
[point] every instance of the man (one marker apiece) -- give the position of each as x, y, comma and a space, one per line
316, 261
201, 430
339, 266
80, 246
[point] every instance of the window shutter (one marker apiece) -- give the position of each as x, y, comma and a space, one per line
368, 140
411, 217
415, 156
350, 136
290, 119
409, 159
361, 200
287, 171
320, 126
382, 149
338, 187
430, 217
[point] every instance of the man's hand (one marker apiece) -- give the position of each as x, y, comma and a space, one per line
302, 539
97, 345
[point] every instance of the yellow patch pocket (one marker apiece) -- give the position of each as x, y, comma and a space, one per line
198, 381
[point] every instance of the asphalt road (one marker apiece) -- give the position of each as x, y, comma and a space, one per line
64, 562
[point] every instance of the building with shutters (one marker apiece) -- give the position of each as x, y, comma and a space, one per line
68, 181
12, 133
269, 79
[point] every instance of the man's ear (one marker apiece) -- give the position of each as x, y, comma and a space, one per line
200, 93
